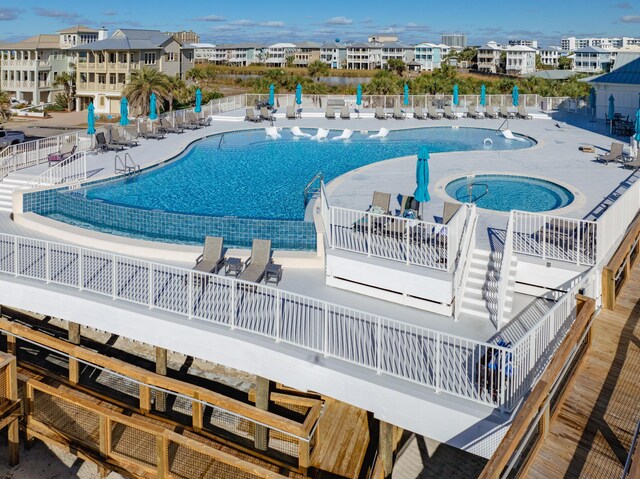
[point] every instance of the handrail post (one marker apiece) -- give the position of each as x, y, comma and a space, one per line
232, 315
369, 220
379, 346
438, 362
278, 319
47, 260
114, 277
15, 256
407, 232
190, 278
326, 331
150, 286
80, 270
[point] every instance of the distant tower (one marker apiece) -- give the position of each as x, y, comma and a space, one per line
455, 39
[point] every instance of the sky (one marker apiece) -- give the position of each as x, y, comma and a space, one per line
270, 21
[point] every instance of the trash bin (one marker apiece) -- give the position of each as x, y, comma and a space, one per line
543, 105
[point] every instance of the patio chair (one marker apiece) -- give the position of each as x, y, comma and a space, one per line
380, 114
330, 113
344, 113
408, 211
68, 149
504, 112
103, 145
291, 112
211, 260
398, 114
147, 134
265, 114
433, 113
195, 120
449, 114
473, 113
419, 114
250, 115
615, 154
439, 235
380, 203
258, 261
490, 112
116, 139
165, 127
186, 125
522, 113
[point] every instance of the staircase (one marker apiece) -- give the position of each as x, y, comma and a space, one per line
7, 185
481, 291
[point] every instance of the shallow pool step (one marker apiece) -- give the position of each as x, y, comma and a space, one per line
7, 186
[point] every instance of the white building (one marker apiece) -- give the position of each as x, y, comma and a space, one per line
278, 53
524, 43
624, 84
395, 50
244, 54
382, 38
364, 56
592, 60
573, 43
520, 60
430, 55
333, 54
489, 57
306, 53
204, 52
550, 56
454, 40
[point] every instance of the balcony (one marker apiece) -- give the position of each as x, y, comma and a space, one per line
18, 84
28, 64
105, 67
106, 87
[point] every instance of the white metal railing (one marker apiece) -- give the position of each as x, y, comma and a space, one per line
30, 153
554, 237
463, 262
73, 168
325, 211
613, 223
414, 353
505, 267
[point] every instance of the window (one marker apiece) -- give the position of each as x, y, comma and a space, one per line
100, 57
171, 57
112, 78
149, 58
113, 57
102, 78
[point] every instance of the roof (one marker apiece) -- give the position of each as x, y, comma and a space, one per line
239, 46
78, 29
628, 74
308, 45
592, 50
552, 74
622, 58
519, 48
129, 39
334, 45
282, 45
492, 47
201, 45
39, 42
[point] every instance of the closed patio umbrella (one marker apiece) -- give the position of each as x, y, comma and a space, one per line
611, 112
299, 94
198, 107
91, 120
422, 176
635, 140
514, 95
272, 94
406, 95
153, 115
456, 100
124, 112
359, 95
483, 95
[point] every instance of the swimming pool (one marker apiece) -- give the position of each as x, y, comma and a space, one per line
231, 184
509, 192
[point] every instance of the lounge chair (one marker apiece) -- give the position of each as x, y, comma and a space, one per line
449, 114
298, 133
379, 206
615, 154
381, 134
321, 134
473, 113
330, 113
211, 260
522, 113
635, 164
291, 113
504, 112
187, 126
146, 134
490, 112
68, 149
165, 127
408, 210
265, 114
398, 114
344, 113
419, 114
433, 113
258, 261
195, 120
103, 145
250, 115
116, 139
272, 132
380, 114
345, 135
439, 235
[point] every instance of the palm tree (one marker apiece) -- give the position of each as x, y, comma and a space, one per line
68, 82
142, 84
5, 106
317, 69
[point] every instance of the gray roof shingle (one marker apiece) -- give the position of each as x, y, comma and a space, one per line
628, 74
129, 39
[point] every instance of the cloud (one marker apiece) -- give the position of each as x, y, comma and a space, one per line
109, 13
43, 12
630, 19
210, 18
339, 21
7, 14
271, 23
243, 23
623, 5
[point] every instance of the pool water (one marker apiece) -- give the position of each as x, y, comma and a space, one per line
245, 175
506, 193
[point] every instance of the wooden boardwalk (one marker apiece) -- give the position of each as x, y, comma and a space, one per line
590, 432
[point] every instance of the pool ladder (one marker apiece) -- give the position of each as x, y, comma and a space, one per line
311, 190
469, 192
126, 166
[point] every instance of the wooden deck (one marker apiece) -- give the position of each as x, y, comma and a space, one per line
590, 432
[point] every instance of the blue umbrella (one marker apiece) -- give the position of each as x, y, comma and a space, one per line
612, 107
514, 95
456, 100
198, 107
637, 135
406, 94
422, 176
91, 120
124, 112
153, 115
359, 96
592, 98
272, 92
483, 95
299, 94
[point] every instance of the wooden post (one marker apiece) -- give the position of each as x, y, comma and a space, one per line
145, 399
162, 453
304, 456
385, 448
74, 371
73, 332
608, 289
28, 412
105, 443
263, 386
544, 422
12, 347
161, 368
196, 415
11, 376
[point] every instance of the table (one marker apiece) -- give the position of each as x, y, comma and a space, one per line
233, 266
273, 273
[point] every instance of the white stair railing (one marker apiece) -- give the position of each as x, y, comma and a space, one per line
71, 169
464, 259
505, 267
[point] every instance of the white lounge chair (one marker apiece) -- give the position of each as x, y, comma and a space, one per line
298, 133
320, 135
381, 134
510, 136
272, 132
346, 134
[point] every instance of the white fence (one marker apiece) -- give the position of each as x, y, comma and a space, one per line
73, 168
505, 267
464, 258
420, 355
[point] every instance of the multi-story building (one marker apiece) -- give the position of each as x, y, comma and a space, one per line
307, 52
28, 69
279, 53
185, 37
104, 67
454, 39
364, 56
489, 58
592, 60
429, 55
204, 52
395, 50
573, 43
334, 54
520, 60
382, 38
244, 54
550, 56
524, 43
